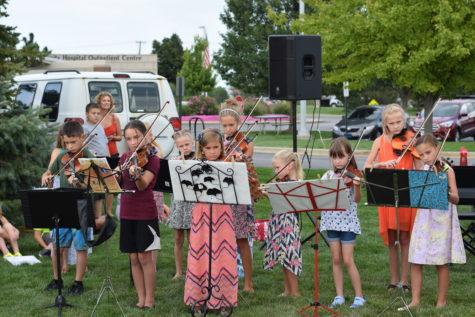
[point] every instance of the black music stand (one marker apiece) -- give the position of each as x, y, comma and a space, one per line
99, 179
392, 188
310, 196
68, 211
188, 180
163, 183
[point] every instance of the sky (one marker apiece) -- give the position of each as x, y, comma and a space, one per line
114, 26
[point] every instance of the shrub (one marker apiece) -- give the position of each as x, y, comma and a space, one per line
282, 107
261, 108
220, 94
203, 105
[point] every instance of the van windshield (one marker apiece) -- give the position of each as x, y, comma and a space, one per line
143, 97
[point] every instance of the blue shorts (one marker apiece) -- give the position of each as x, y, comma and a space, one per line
345, 237
67, 236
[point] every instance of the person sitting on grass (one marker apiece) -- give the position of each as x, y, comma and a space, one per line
8, 234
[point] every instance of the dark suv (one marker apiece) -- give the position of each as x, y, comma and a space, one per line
458, 115
364, 117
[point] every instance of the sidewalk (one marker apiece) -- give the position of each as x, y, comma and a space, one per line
324, 152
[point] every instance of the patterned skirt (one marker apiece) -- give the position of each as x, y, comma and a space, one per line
283, 243
436, 238
224, 277
180, 214
243, 221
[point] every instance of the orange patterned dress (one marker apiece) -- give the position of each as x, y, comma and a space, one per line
387, 215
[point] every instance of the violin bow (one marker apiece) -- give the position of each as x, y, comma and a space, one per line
411, 143
145, 135
353, 151
247, 133
85, 144
242, 123
278, 172
97, 124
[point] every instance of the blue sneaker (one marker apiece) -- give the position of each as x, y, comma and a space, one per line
337, 301
358, 302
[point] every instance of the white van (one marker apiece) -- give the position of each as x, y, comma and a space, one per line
136, 95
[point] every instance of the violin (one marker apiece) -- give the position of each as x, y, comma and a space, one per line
70, 163
353, 171
401, 141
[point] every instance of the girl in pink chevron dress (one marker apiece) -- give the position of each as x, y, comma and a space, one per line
224, 276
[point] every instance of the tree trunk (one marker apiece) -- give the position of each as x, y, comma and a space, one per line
429, 103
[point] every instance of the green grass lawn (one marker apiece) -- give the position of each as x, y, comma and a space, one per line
22, 292
284, 140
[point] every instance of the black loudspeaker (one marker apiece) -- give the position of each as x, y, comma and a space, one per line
295, 67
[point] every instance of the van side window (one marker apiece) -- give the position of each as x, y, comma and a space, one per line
25, 95
51, 97
143, 97
113, 87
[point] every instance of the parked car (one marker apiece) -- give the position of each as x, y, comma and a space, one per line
137, 96
364, 117
456, 115
331, 101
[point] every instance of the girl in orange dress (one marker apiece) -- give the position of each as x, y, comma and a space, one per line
382, 155
113, 131
224, 277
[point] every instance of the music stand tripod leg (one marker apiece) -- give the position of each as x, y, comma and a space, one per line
397, 243
316, 305
107, 282
60, 300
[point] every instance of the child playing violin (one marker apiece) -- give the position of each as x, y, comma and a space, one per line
436, 238
342, 226
241, 149
65, 165
139, 232
385, 153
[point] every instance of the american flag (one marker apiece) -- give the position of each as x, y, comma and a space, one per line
206, 57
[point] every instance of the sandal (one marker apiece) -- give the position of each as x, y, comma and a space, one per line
337, 301
358, 302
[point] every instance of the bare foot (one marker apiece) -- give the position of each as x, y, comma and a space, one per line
410, 305
139, 305
248, 290
177, 277
284, 294
64, 270
295, 295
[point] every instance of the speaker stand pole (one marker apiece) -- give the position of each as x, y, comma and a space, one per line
293, 111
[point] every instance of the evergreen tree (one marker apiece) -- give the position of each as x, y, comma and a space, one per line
25, 139
170, 56
242, 58
198, 79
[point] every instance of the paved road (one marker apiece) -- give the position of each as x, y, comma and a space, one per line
326, 123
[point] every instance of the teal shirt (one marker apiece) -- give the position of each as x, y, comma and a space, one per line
56, 166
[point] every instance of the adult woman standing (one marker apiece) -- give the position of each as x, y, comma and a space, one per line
111, 125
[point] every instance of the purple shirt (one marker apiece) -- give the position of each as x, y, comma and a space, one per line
141, 204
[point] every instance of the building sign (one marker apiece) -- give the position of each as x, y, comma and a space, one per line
91, 57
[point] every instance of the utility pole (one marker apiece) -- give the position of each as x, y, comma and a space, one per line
140, 46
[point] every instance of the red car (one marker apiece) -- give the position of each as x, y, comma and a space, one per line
458, 115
